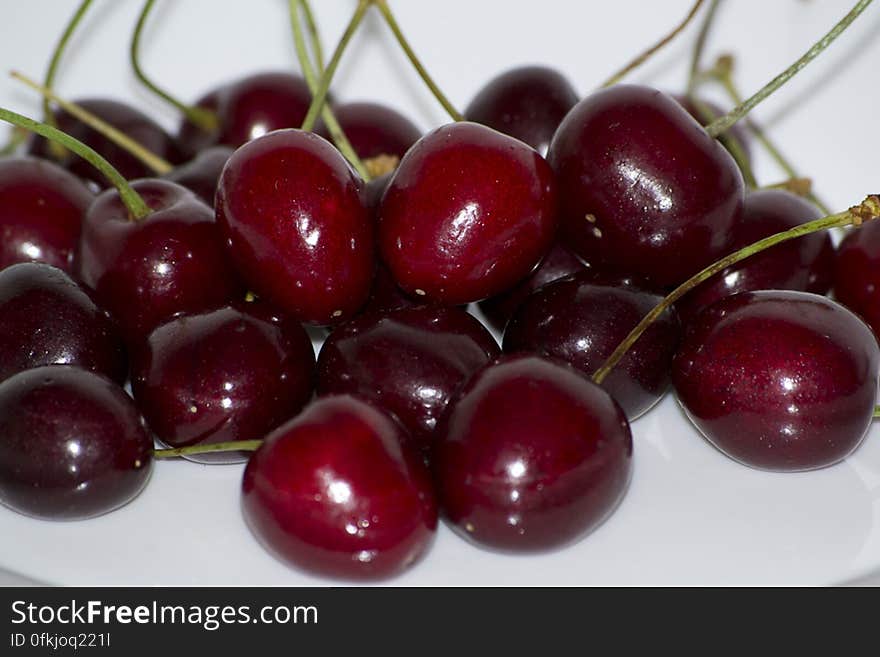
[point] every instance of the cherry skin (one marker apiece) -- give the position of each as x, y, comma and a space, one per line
643, 187
72, 444
779, 380
581, 321
468, 213
528, 103
532, 456
171, 262
386, 295
295, 221
222, 376
805, 264
857, 273
374, 129
41, 212
408, 362
201, 175
739, 132
49, 320
336, 492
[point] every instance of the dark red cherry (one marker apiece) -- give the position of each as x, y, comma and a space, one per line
468, 213
336, 492
779, 380
171, 262
47, 319
386, 295
202, 174
293, 214
643, 187
374, 129
581, 321
558, 263
531, 456
125, 118
738, 132
805, 263
222, 376
409, 362
528, 103
857, 273
72, 444
41, 212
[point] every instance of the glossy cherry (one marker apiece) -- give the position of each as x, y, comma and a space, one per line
47, 319
146, 272
581, 320
532, 456
528, 103
41, 212
294, 217
857, 273
374, 129
202, 174
335, 491
409, 362
468, 213
738, 132
643, 187
72, 444
779, 380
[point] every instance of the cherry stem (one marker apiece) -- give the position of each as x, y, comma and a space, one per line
333, 127
199, 116
868, 210
731, 143
643, 57
383, 7
700, 45
741, 110
317, 48
49, 79
156, 163
233, 446
137, 208
877, 411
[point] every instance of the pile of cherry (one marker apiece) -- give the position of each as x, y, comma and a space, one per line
566, 220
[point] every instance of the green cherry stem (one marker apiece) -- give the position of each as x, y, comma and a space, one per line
700, 45
199, 116
738, 112
136, 206
314, 35
49, 79
233, 446
868, 210
877, 411
643, 57
382, 6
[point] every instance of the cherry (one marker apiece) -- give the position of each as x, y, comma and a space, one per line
408, 362
294, 217
779, 380
72, 444
580, 320
202, 174
374, 129
643, 187
528, 103
145, 272
336, 492
124, 118
805, 264
739, 132
531, 456
386, 295
857, 273
468, 213
41, 212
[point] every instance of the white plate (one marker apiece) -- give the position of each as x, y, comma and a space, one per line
691, 515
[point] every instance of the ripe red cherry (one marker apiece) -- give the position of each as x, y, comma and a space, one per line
222, 376
72, 444
47, 319
293, 214
408, 362
528, 103
581, 321
643, 187
468, 213
41, 212
336, 492
202, 174
531, 456
171, 262
374, 129
857, 273
779, 380
738, 132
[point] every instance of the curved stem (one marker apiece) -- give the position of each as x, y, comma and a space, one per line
233, 446
642, 58
153, 161
738, 112
700, 45
137, 208
314, 35
49, 79
414, 60
199, 116
868, 210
